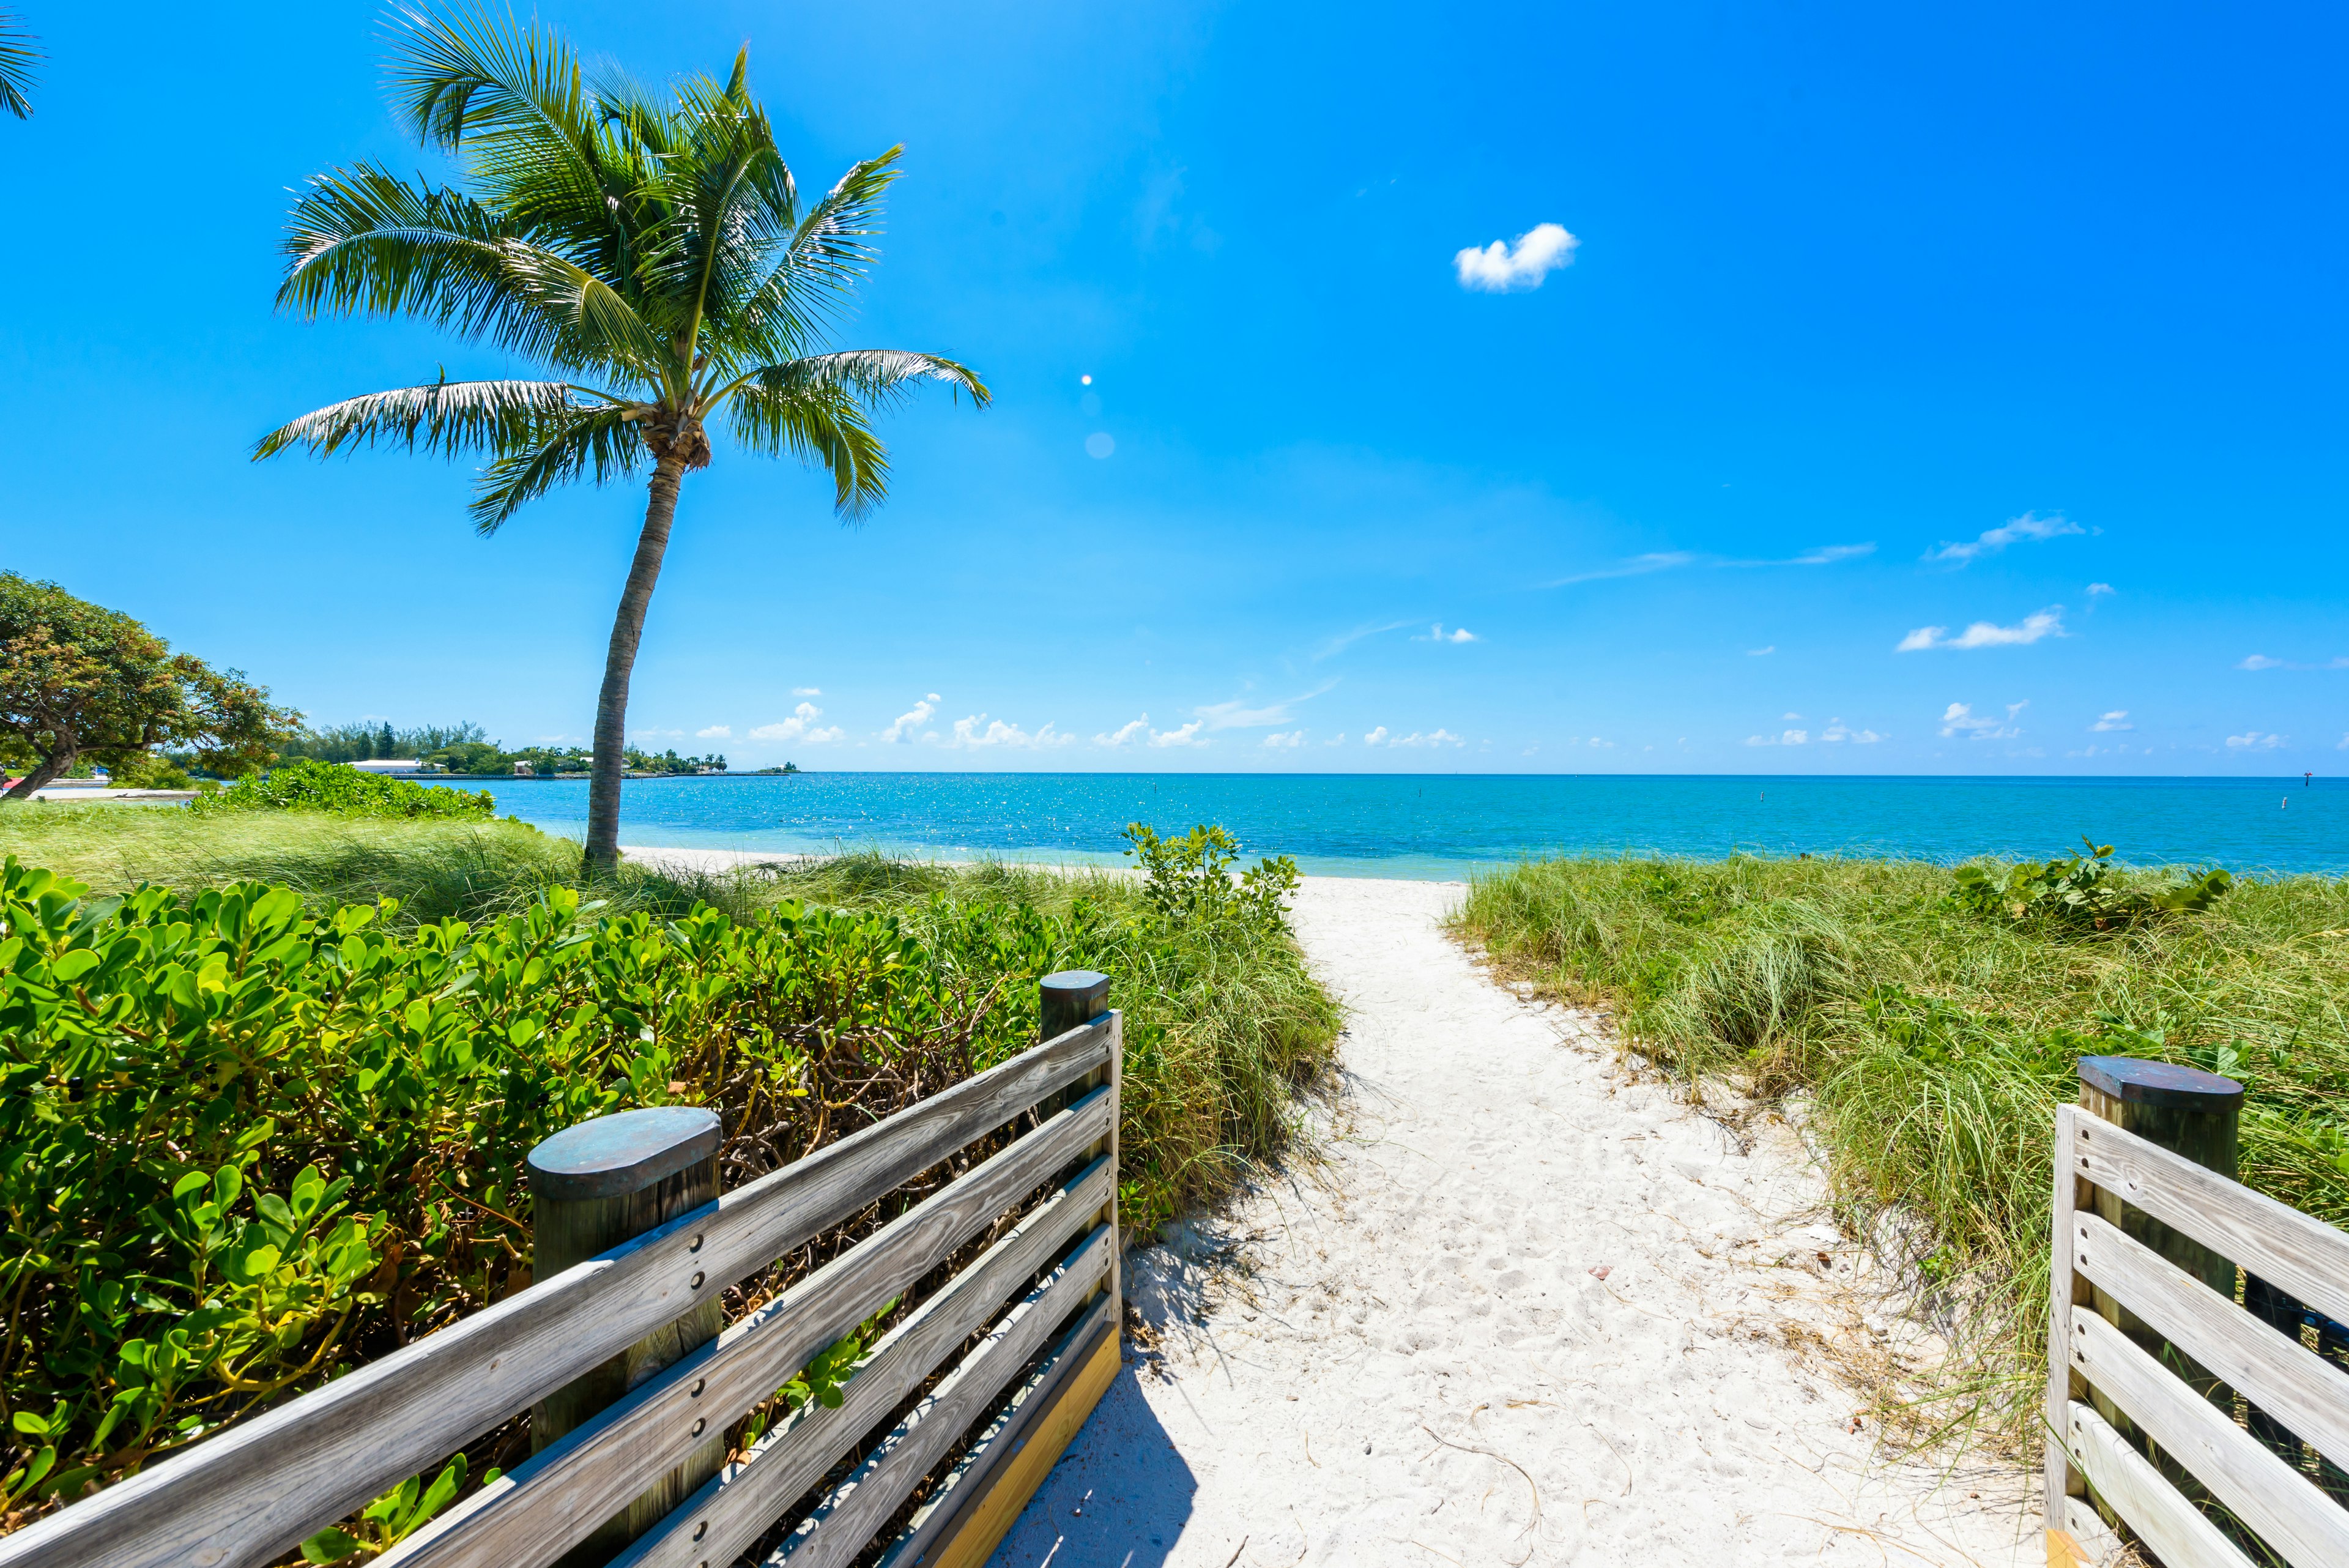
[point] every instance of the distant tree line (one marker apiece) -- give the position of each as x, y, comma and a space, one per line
466, 748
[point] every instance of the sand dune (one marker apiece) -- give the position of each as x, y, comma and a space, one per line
1528, 1311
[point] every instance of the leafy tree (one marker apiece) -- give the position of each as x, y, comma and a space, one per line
654, 253
17, 58
78, 682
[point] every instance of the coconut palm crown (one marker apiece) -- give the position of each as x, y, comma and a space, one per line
651, 252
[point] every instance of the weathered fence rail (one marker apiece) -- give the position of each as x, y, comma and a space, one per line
2149, 1352
632, 1391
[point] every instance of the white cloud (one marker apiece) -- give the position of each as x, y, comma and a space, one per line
1783, 738
1761, 652
1790, 715
1961, 720
1339, 739
799, 726
1602, 742
1433, 738
2097, 590
1670, 560
2262, 661
1130, 731
1188, 735
1994, 540
2048, 622
906, 723
966, 733
1377, 737
1291, 741
2117, 719
715, 733
1501, 267
1345, 639
1837, 731
2255, 741
1437, 634
807, 690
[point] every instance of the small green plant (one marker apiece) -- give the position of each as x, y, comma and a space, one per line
309, 784
1190, 877
2079, 893
393, 1517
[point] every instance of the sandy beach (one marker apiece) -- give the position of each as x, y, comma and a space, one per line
1527, 1309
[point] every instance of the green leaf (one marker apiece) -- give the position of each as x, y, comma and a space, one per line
331, 1544
29, 1424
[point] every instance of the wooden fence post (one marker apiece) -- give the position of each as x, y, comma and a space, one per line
593, 1187
2193, 1114
1065, 1000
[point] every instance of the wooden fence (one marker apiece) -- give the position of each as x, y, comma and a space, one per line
2197, 1394
632, 1384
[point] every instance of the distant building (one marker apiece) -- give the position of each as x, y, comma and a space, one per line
525, 770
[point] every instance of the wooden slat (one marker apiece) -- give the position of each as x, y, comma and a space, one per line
2061, 1288
722, 1520
2133, 1489
845, 1521
548, 1504
2280, 1375
242, 1497
1005, 1436
971, 1536
2295, 1520
2091, 1534
2297, 1252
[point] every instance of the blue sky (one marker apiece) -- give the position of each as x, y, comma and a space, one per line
1949, 391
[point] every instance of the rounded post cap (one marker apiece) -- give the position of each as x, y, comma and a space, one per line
1076, 980
2135, 1081
613, 1156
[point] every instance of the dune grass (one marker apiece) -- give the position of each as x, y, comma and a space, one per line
1936, 1044
1223, 1023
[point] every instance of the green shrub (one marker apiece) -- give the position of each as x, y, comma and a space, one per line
2079, 893
249, 1138
309, 785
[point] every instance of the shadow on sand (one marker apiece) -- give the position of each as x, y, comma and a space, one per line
1118, 1499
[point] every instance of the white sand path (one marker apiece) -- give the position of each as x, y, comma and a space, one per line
1417, 1361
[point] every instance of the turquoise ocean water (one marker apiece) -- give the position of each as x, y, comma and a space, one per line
1441, 825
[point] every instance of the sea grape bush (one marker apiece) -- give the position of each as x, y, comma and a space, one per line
1190, 877
309, 785
2079, 893
246, 1147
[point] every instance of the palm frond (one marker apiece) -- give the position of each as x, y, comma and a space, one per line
366, 243
601, 444
465, 75
730, 206
17, 56
875, 377
824, 427
829, 250
444, 418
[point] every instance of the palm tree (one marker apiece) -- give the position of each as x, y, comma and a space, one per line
655, 254
17, 58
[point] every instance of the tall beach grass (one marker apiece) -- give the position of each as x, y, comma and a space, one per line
1935, 1045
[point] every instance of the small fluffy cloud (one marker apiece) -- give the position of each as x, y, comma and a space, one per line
715, 733
1437, 634
1433, 738
1961, 720
1994, 540
1503, 268
1125, 733
1761, 652
800, 726
1837, 731
1377, 737
2098, 590
1188, 735
1783, 738
2252, 740
2048, 622
908, 724
1602, 742
2117, 719
807, 690
1290, 741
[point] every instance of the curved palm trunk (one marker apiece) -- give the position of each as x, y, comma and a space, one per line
620, 663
